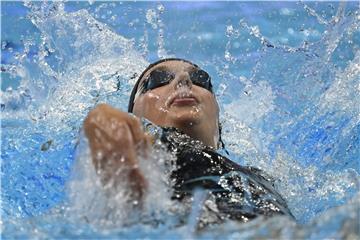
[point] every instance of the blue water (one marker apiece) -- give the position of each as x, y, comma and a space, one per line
287, 76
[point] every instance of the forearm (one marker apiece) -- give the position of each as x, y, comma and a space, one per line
113, 143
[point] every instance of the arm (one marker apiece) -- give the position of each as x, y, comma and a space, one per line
115, 139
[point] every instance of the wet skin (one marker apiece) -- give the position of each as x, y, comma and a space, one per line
116, 138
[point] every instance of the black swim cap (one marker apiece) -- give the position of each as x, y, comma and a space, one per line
134, 91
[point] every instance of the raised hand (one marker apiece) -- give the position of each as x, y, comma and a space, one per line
116, 138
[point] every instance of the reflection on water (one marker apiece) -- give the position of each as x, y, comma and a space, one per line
286, 74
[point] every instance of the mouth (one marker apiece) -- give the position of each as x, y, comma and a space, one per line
182, 98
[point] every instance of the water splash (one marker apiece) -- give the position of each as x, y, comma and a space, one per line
153, 18
108, 207
303, 125
57, 98
296, 134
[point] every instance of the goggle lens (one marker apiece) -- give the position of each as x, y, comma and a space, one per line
158, 78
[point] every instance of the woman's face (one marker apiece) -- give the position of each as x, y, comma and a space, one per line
179, 103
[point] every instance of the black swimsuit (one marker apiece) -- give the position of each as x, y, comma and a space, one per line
239, 193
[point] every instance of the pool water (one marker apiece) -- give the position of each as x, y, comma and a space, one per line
286, 74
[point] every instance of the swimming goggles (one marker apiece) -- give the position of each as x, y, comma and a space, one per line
136, 89
158, 78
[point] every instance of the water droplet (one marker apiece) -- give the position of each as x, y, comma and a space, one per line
45, 146
161, 8
3, 45
151, 18
229, 30
228, 56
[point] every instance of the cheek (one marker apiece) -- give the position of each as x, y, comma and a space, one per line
149, 105
212, 107
153, 101
158, 97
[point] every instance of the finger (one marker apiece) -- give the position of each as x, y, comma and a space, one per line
136, 129
113, 140
127, 145
145, 145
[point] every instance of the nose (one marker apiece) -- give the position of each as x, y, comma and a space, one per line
182, 79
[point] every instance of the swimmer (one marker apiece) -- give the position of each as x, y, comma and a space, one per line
176, 96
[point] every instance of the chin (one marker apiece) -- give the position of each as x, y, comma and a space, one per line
184, 118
